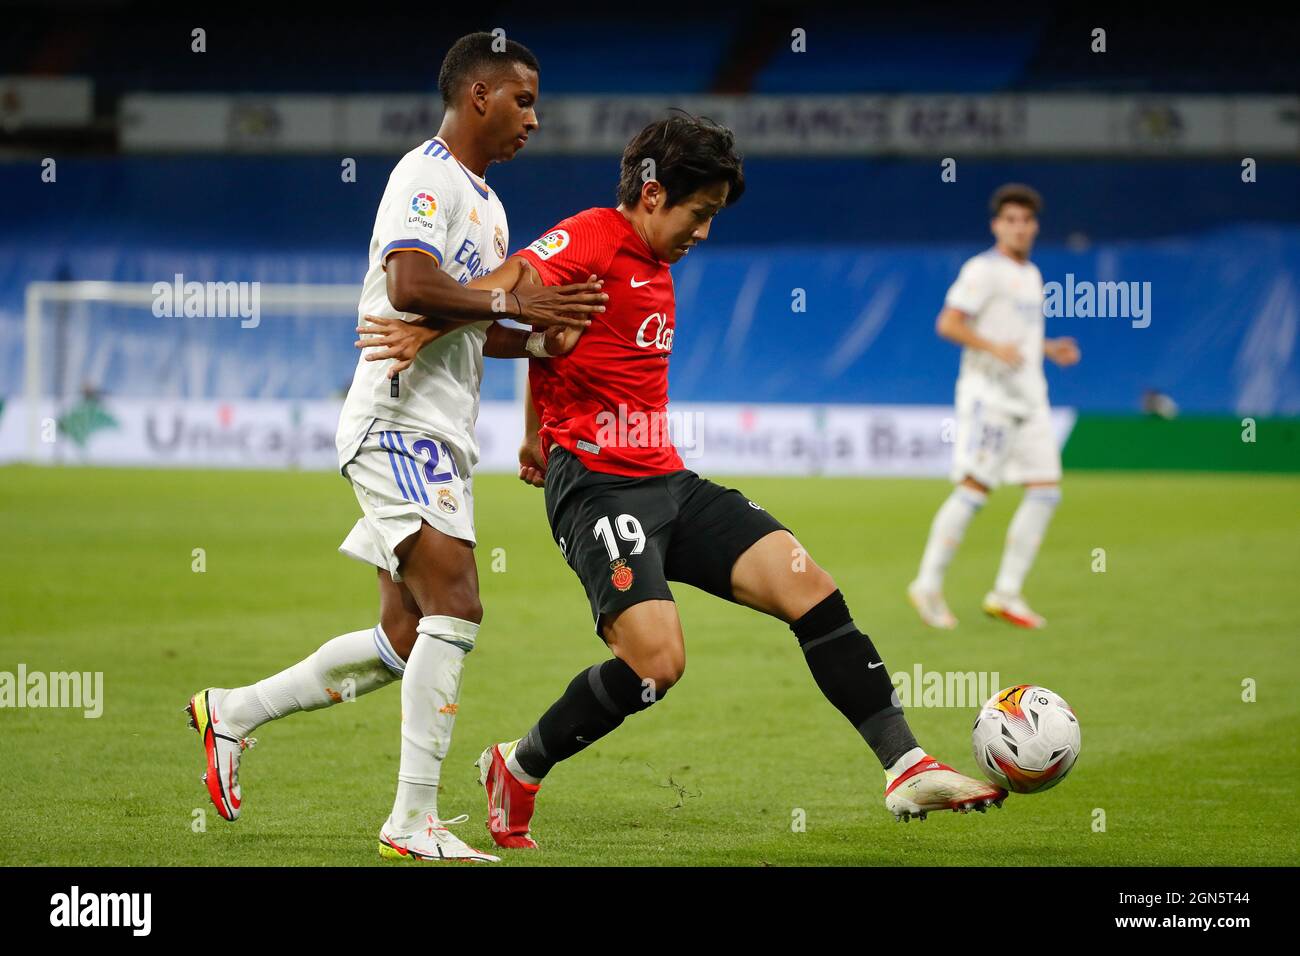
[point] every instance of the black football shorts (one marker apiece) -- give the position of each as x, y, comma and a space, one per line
626, 538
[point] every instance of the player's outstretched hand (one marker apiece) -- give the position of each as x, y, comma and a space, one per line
1063, 351
399, 340
568, 306
531, 469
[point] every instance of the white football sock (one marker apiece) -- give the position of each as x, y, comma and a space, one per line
1024, 535
946, 532
512, 764
430, 699
905, 762
343, 668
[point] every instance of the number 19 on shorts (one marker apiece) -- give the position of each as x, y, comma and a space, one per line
629, 529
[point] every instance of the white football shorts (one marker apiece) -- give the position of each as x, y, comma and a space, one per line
997, 447
402, 477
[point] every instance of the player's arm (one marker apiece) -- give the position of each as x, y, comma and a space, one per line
504, 342
531, 468
400, 340
416, 285
1063, 351
954, 325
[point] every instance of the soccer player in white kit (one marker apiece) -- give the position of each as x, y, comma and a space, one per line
406, 443
995, 312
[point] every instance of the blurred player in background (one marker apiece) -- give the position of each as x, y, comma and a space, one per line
1004, 430
407, 445
628, 517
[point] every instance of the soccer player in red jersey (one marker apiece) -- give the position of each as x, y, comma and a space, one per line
629, 517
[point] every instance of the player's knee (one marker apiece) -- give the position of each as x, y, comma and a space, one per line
400, 629
662, 670
469, 608
460, 601
819, 583
813, 586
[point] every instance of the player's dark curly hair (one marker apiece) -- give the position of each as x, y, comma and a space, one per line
473, 54
1017, 194
688, 152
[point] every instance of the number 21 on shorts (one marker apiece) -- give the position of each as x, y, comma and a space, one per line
629, 529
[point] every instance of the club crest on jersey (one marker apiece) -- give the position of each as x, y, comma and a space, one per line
499, 242
620, 574
550, 244
447, 502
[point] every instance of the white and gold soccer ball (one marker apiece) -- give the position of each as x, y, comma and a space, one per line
1026, 738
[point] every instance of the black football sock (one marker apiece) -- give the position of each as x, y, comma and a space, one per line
595, 702
851, 674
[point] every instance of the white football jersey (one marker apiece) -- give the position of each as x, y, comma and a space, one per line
1004, 299
436, 206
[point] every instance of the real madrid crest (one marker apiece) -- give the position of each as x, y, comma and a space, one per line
499, 242
447, 502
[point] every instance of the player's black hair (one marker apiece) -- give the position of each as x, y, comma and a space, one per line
473, 53
688, 152
1018, 194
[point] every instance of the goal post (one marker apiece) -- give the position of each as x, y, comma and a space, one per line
141, 299
136, 353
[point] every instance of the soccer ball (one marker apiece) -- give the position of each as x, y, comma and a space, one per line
1026, 738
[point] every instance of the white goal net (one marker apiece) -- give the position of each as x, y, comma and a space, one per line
190, 374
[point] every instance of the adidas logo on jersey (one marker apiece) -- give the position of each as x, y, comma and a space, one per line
473, 217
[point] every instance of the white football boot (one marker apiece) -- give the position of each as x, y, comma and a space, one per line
929, 785
431, 842
1012, 607
931, 606
223, 751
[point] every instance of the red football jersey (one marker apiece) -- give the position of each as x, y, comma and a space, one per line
607, 400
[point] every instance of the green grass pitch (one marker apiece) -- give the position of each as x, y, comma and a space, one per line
1198, 596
